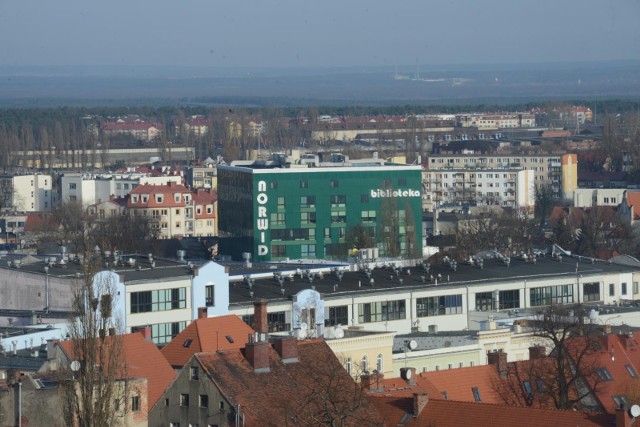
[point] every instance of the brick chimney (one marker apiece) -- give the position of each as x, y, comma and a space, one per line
146, 333
260, 323
202, 313
287, 348
409, 375
256, 352
628, 340
51, 348
623, 418
372, 383
498, 358
420, 400
537, 352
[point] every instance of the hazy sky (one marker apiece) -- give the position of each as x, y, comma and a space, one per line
301, 33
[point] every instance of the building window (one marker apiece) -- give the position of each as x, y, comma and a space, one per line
184, 399
368, 216
631, 371
364, 364
308, 251
279, 251
349, 366
591, 291
334, 183
327, 233
204, 401
437, 306
612, 289
338, 217
635, 287
476, 394
307, 218
278, 218
548, 295
135, 403
304, 183
621, 401
276, 321
159, 198
72, 185
484, 301
604, 374
281, 201
195, 373
379, 361
162, 333
509, 299
381, 311
209, 295
337, 316
159, 300
338, 200
307, 202
623, 288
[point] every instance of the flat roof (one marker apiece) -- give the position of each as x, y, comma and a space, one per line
278, 169
387, 281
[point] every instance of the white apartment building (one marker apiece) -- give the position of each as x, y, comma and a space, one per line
559, 171
26, 193
90, 189
513, 188
587, 197
496, 121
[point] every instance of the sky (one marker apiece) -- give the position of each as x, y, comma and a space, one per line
329, 33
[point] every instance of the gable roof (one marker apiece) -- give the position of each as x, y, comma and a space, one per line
633, 199
142, 360
207, 335
438, 412
293, 390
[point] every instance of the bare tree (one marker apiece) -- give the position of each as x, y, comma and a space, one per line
565, 379
97, 395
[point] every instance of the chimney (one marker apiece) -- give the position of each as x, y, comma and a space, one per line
260, 323
287, 348
51, 349
623, 418
537, 352
372, 383
202, 313
112, 331
628, 340
146, 333
607, 329
257, 353
420, 400
409, 375
499, 358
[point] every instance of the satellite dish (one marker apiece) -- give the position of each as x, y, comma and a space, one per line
303, 326
408, 374
75, 366
634, 411
338, 333
412, 345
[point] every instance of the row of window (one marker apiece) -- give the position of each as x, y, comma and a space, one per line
276, 320
334, 183
158, 300
364, 365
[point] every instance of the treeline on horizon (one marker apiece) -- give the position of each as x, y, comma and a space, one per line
48, 116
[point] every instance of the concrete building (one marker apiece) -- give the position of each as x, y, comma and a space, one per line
278, 211
506, 187
588, 197
89, 189
177, 211
26, 193
560, 172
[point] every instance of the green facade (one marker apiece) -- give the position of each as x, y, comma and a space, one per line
277, 214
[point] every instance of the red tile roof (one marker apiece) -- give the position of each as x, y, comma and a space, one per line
293, 391
207, 335
438, 412
142, 360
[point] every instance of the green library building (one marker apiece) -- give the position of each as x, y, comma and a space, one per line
304, 211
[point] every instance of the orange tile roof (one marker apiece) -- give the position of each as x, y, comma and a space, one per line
615, 354
207, 335
142, 360
456, 383
289, 391
438, 412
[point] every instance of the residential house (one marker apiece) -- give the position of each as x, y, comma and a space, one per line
26, 193
265, 384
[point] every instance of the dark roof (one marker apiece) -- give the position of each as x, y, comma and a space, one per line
288, 391
386, 280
